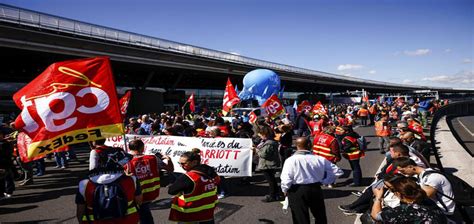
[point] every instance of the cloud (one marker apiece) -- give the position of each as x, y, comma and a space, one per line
466, 61
418, 52
447, 50
372, 72
460, 79
349, 67
407, 81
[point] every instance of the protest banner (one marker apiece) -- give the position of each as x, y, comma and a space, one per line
70, 102
229, 156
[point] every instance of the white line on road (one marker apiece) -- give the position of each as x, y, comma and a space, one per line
464, 126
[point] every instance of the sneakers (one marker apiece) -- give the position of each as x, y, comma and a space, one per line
7, 195
357, 193
330, 185
344, 208
221, 196
26, 182
63, 167
351, 212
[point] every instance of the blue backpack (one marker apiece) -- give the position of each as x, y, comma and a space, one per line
110, 201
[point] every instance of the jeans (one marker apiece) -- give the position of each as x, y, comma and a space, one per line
384, 144
222, 187
356, 171
60, 158
40, 166
363, 121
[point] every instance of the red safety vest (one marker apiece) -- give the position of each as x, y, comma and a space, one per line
354, 152
198, 205
382, 130
128, 186
145, 168
322, 146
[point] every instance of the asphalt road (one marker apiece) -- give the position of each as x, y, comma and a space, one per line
464, 128
51, 198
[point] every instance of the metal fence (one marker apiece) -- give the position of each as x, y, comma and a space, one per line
457, 109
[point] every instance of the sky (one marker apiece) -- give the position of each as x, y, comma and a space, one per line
418, 42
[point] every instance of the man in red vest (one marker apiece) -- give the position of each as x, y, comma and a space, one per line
147, 169
108, 196
351, 151
195, 192
325, 144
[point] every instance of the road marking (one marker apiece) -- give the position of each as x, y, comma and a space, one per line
464, 126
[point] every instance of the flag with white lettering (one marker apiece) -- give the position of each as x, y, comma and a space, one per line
70, 102
273, 107
230, 98
252, 117
305, 105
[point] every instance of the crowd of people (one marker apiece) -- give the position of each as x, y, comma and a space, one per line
306, 149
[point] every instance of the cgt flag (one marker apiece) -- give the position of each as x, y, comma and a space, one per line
305, 105
318, 108
252, 117
273, 107
123, 102
230, 98
70, 102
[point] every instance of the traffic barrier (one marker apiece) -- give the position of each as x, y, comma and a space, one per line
457, 109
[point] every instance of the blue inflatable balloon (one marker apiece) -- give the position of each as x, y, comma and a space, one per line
260, 84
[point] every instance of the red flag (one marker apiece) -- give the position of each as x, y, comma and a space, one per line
252, 117
192, 106
123, 102
23, 141
230, 98
70, 102
318, 108
365, 97
305, 105
273, 107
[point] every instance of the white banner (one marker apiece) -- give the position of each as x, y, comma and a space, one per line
229, 156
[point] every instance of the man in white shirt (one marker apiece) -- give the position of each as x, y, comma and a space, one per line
436, 186
301, 179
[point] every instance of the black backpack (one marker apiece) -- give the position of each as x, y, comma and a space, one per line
110, 201
463, 192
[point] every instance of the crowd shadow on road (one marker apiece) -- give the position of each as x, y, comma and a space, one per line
12, 210
33, 222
